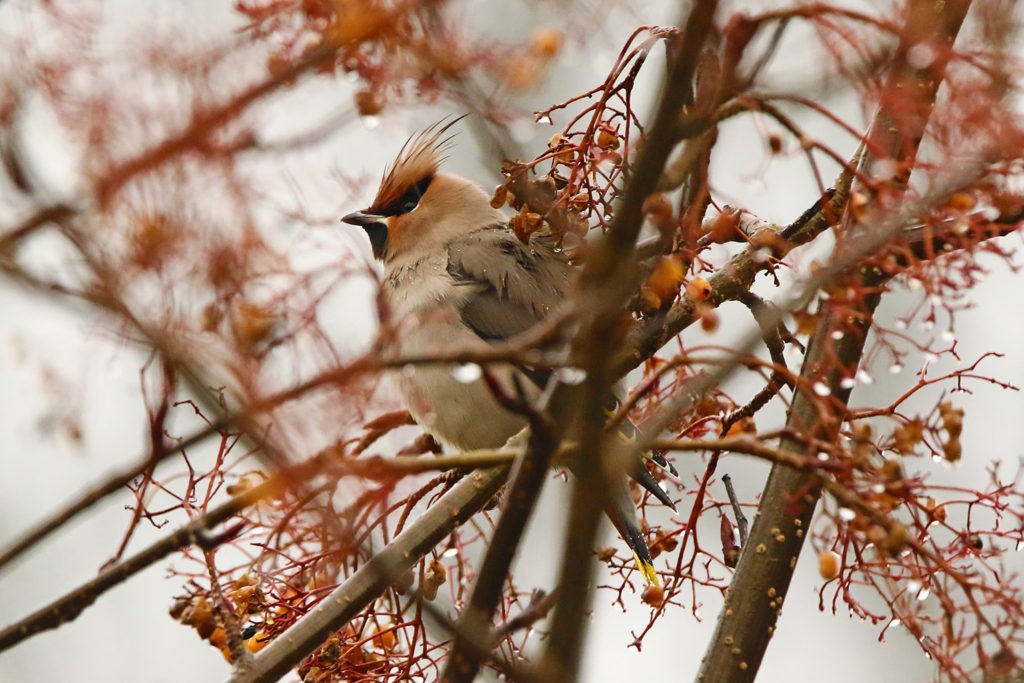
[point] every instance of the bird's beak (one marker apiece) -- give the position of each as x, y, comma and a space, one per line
376, 228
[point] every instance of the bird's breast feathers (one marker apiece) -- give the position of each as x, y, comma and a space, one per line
418, 285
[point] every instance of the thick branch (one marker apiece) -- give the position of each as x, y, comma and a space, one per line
606, 283
755, 595
370, 580
754, 599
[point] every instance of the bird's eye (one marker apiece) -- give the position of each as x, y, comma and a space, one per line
409, 205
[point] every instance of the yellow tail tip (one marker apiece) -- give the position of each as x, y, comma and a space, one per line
646, 568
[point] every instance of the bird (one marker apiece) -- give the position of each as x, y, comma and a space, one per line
455, 275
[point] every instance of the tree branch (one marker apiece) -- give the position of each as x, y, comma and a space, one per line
531, 473
606, 283
370, 580
753, 602
70, 605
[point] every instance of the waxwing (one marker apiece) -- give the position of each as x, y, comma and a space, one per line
457, 277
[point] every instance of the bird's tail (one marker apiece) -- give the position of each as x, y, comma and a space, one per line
622, 514
620, 508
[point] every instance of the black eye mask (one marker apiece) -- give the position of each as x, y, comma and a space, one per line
409, 200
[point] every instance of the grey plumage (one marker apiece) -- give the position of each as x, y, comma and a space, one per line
521, 288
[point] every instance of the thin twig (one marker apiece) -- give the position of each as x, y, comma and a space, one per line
737, 510
70, 605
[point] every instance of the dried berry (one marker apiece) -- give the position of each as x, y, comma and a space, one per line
499, 197
658, 209
607, 139
724, 227
368, 102
961, 202
708, 319
525, 223
653, 596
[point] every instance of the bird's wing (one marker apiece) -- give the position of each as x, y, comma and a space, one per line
509, 286
620, 510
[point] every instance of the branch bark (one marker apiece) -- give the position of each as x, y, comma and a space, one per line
370, 580
608, 279
754, 599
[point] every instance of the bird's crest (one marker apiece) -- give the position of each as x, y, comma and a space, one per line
419, 158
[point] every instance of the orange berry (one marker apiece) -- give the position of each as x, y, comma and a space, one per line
318, 9
565, 147
952, 450
546, 41
524, 224
698, 289
278, 64
253, 323
499, 197
906, 437
707, 406
257, 642
667, 276
606, 139
709, 320
828, 565
200, 615
242, 593
522, 72
178, 608
433, 578
744, 426
724, 227
899, 538
368, 102
210, 317
386, 639
669, 543
219, 637
649, 300
961, 201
